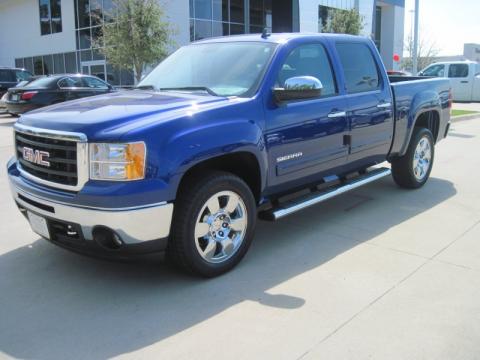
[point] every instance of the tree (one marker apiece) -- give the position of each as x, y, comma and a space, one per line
138, 35
427, 51
344, 22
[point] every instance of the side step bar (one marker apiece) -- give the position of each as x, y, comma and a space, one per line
318, 197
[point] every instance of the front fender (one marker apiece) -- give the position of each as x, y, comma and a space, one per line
194, 146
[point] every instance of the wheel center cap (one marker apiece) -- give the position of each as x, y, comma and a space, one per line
220, 226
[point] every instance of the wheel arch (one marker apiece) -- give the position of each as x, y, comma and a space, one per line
243, 164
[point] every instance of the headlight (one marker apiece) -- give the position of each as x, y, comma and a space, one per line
117, 161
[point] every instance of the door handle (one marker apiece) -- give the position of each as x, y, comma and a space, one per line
338, 114
464, 82
384, 105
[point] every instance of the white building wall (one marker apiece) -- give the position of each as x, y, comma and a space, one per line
22, 16
20, 31
392, 35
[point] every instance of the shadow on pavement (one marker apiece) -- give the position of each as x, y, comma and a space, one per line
58, 305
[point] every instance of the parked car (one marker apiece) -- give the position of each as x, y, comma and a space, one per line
9, 77
220, 131
464, 77
3, 100
54, 89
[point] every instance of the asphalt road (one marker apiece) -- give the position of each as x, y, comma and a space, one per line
380, 273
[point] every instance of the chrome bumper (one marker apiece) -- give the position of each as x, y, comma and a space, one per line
134, 225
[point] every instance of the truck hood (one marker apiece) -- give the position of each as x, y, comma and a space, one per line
100, 115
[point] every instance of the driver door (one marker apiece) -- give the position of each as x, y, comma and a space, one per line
305, 138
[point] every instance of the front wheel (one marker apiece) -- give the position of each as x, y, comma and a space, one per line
412, 170
214, 223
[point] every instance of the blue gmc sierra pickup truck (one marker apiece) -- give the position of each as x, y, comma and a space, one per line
222, 132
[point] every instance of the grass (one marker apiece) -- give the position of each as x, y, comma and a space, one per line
456, 112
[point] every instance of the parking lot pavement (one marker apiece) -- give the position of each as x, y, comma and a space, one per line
380, 273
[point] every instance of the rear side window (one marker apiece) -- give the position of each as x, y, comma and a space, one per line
94, 83
458, 71
6, 75
359, 67
70, 82
309, 60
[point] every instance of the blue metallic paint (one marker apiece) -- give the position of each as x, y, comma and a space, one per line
182, 130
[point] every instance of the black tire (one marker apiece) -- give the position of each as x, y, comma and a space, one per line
402, 167
193, 196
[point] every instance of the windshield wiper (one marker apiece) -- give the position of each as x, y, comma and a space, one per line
191, 88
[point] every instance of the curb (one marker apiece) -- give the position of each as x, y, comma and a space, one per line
464, 117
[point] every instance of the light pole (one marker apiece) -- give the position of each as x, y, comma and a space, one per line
415, 40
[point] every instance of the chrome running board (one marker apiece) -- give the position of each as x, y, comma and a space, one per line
320, 196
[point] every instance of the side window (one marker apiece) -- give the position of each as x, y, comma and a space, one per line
22, 75
359, 67
434, 70
70, 82
458, 71
309, 60
94, 83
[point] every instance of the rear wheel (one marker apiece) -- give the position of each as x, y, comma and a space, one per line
214, 223
413, 169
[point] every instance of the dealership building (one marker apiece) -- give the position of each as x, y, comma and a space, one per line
54, 36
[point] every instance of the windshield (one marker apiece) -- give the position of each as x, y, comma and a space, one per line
224, 69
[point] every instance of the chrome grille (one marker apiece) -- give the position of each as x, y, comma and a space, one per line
66, 165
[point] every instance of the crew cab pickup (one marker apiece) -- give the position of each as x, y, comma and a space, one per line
464, 78
222, 132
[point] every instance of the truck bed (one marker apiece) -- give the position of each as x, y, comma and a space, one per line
414, 96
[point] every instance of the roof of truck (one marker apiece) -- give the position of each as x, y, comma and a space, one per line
278, 38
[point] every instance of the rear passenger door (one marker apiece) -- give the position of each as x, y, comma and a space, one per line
369, 103
305, 137
461, 84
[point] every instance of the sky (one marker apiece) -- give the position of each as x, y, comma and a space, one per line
448, 23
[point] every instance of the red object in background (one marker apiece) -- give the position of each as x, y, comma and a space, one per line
396, 57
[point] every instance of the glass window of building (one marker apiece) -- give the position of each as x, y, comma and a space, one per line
50, 16
260, 15
227, 17
70, 62
58, 64
47, 64
19, 63
89, 15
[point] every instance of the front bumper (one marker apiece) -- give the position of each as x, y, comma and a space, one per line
141, 229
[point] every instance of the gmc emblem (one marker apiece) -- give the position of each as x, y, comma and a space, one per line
36, 156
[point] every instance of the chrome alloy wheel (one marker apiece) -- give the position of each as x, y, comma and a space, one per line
221, 226
422, 158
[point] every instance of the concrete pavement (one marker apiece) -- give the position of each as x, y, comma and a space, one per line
378, 273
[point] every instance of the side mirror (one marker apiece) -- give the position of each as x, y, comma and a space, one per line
299, 88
